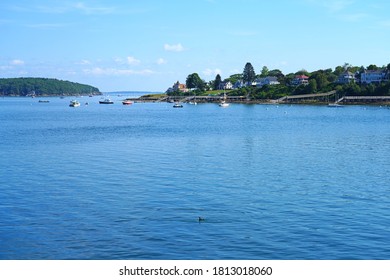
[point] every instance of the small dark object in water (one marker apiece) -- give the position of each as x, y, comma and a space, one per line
200, 219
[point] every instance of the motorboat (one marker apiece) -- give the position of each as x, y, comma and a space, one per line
106, 101
127, 102
224, 104
74, 103
178, 105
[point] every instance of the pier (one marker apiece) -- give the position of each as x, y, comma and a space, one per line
320, 98
184, 99
324, 97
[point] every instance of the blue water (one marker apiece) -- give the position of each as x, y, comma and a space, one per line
129, 182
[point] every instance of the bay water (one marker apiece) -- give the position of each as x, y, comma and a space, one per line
130, 182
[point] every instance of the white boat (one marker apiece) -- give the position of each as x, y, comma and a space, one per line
192, 103
223, 102
74, 103
335, 105
178, 105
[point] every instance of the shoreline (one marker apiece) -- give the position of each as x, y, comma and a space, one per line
360, 100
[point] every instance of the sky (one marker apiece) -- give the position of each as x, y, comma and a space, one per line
148, 45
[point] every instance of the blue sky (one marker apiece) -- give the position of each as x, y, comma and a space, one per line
150, 44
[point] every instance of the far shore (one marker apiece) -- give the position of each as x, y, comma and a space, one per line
310, 99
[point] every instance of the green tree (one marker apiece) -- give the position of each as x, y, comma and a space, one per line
248, 75
372, 67
321, 79
264, 72
234, 78
194, 81
338, 70
312, 86
217, 81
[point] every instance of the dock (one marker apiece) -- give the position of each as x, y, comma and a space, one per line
319, 98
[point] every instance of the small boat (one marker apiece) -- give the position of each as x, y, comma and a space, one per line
335, 105
43, 101
106, 101
127, 102
178, 105
74, 103
223, 102
193, 103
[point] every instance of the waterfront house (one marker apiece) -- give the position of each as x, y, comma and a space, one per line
346, 78
178, 87
373, 76
270, 80
300, 80
225, 85
238, 84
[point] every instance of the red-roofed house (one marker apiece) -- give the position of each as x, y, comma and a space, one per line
300, 80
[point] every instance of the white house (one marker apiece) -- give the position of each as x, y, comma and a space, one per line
270, 80
225, 85
372, 76
346, 78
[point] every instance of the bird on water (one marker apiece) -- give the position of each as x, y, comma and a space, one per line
200, 219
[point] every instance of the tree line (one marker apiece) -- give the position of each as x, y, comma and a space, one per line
43, 87
323, 80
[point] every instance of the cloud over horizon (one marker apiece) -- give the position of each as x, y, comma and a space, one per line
174, 48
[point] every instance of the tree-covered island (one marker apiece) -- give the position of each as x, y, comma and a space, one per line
43, 87
345, 80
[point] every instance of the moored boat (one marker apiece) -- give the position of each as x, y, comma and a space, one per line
335, 105
106, 101
127, 102
74, 103
178, 105
223, 102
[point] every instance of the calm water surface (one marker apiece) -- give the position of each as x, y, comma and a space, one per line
129, 182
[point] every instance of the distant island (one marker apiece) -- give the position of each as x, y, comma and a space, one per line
44, 87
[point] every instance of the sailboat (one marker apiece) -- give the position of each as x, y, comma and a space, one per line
223, 102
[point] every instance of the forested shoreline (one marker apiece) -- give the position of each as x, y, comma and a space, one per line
43, 87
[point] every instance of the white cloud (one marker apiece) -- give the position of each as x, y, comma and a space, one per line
161, 61
17, 62
98, 71
174, 48
132, 60
212, 72
84, 62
